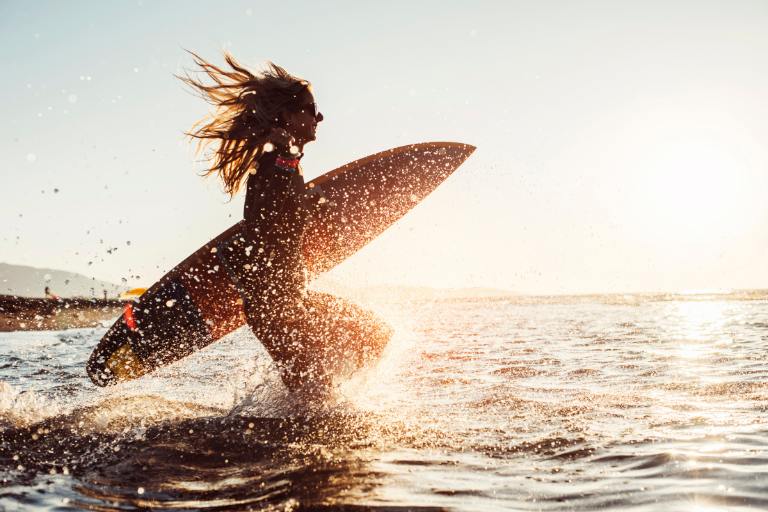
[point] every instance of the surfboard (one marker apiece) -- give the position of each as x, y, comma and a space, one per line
197, 303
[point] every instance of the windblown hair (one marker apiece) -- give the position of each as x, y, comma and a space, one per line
247, 106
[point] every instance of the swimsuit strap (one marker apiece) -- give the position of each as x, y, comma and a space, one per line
287, 163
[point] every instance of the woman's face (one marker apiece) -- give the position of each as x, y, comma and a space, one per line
301, 118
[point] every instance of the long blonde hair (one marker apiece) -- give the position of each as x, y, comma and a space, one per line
247, 106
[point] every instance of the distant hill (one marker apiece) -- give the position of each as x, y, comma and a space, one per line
31, 282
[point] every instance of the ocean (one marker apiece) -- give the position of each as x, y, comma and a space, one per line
610, 402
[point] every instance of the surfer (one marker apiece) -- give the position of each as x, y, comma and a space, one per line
258, 132
49, 294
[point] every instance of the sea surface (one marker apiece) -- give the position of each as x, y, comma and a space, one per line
610, 402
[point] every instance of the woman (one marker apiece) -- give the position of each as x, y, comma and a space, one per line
259, 130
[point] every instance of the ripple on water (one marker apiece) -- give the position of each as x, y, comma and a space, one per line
649, 403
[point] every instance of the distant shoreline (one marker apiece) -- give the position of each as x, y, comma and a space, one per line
38, 314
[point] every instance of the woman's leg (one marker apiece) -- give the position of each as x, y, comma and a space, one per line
315, 336
349, 332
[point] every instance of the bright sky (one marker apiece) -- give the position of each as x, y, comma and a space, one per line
622, 146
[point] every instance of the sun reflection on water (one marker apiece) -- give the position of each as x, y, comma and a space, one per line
698, 340
699, 320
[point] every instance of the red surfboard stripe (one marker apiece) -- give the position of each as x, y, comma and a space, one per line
130, 321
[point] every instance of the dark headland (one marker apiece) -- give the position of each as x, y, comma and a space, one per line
36, 314
75, 300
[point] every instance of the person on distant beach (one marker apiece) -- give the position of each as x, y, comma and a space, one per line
261, 125
49, 295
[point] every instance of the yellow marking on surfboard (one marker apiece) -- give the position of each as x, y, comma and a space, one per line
132, 294
124, 364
